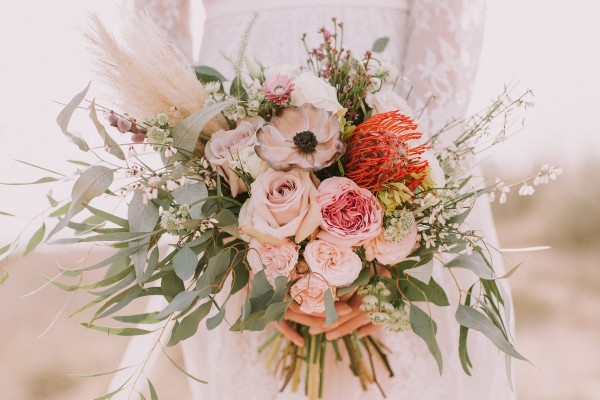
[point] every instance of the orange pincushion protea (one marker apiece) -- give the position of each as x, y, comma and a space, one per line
378, 152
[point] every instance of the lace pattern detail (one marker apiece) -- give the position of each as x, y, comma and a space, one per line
173, 16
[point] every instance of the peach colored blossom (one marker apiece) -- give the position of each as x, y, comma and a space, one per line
304, 137
338, 265
222, 147
283, 204
309, 292
391, 253
350, 214
276, 260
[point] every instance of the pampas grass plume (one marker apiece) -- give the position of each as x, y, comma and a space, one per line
146, 71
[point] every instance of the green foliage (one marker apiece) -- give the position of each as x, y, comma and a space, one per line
426, 328
380, 44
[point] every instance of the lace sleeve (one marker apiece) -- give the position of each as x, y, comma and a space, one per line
442, 50
172, 16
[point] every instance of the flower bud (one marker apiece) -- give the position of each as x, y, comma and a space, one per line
255, 68
113, 119
123, 125
138, 138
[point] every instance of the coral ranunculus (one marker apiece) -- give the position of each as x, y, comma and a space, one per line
379, 152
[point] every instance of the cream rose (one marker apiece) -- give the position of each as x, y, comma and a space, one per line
223, 146
339, 265
387, 100
283, 204
309, 88
391, 252
309, 292
350, 214
276, 260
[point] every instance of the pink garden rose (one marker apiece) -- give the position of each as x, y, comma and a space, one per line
388, 252
339, 265
223, 146
283, 204
278, 260
309, 292
350, 214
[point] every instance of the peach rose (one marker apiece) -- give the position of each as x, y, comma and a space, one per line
283, 204
222, 148
277, 260
350, 214
309, 292
339, 266
391, 252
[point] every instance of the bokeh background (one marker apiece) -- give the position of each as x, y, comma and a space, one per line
551, 46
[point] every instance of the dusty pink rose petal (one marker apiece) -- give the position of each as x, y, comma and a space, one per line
276, 260
391, 253
283, 204
350, 214
338, 265
309, 292
222, 147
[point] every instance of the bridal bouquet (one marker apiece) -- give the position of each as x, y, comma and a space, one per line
310, 191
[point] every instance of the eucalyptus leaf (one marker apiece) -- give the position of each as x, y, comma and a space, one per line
426, 329
64, 117
186, 133
207, 74
474, 263
422, 273
216, 319
331, 315
6, 214
91, 183
189, 325
473, 319
185, 262
60, 211
35, 240
171, 285
182, 301
108, 216
153, 395
380, 44
117, 331
110, 145
46, 179
190, 194
146, 318
226, 218
142, 217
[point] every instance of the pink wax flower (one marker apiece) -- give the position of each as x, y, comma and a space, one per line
278, 89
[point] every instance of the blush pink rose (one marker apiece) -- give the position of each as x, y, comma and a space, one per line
309, 292
339, 265
223, 146
350, 214
277, 260
283, 204
391, 253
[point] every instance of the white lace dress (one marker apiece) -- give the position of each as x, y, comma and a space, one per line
437, 43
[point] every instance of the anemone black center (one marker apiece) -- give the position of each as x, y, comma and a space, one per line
306, 141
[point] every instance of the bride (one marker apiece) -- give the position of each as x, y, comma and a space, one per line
437, 44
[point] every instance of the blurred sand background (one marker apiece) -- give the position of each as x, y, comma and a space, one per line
556, 292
